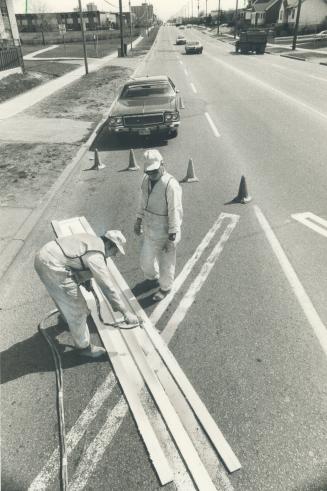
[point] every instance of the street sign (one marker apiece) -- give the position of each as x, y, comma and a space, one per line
62, 28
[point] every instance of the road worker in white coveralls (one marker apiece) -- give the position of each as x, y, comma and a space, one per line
159, 219
65, 263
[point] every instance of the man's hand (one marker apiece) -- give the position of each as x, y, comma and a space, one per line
130, 318
170, 244
138, 226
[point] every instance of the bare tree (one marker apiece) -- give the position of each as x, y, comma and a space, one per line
43, 20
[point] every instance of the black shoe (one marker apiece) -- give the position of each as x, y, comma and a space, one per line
160, 295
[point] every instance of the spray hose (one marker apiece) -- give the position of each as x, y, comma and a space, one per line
60, 401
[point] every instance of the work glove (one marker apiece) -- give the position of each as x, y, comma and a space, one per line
138, 227
130, 318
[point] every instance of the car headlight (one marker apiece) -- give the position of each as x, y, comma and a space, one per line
115, 120
172, 116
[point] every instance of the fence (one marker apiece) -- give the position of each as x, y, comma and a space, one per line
10, 55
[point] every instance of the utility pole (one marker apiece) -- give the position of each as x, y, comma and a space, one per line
130, 25
235, 26
198, 8
206, 9
26, 6
122, 53
218, 17
83, 36
192, 9
299, 3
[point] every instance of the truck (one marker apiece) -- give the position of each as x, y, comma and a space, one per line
253, 40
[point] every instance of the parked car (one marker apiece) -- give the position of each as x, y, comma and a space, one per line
193, 47
322, 35
180, 40
145, 106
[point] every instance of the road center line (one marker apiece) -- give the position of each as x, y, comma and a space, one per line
310, 312
181, 62
212, 124
73, 437
193, 88
197, 284
179, 281
185, 71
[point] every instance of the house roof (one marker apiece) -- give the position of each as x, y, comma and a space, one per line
264, 5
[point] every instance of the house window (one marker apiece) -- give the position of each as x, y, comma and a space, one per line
293, 13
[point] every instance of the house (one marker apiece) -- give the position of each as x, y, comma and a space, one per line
313, 14
261, 13
10, 52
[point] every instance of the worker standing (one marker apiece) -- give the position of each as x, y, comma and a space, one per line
65, 263
159, 218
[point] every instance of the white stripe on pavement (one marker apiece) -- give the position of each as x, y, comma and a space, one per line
50, 470
185, 71
212, 124
197, 284
179, 281
310, 312
193, 88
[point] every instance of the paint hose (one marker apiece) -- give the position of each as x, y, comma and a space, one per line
60, 401
119, 325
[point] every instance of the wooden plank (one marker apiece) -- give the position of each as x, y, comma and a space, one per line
204, 417
207, 422
175, 426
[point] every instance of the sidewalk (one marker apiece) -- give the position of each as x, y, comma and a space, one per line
23, 130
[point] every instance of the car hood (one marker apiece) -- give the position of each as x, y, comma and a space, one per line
144, 105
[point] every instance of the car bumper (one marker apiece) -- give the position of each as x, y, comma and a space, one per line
193, 51
147, 130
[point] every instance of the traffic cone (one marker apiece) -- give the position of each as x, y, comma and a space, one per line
243, 196
132, 161
98, 165
190, 175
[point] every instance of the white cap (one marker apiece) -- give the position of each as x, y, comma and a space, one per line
117, 238
153, 160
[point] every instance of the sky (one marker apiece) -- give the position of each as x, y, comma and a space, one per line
162, 8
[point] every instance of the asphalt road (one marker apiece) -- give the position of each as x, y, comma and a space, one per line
253, 341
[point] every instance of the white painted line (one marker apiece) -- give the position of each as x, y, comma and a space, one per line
196, 285
318, 78
185, 71
268, 87
310, 312
193, 88
96, 449
50, 470
308, 219
181, 62
212, 124
187, 269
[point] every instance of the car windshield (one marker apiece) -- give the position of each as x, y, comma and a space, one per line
193, 43
147, 90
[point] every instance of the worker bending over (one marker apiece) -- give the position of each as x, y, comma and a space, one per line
65, 263
159, 218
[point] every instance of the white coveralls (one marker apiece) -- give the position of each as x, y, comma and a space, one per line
58, 265
161, 212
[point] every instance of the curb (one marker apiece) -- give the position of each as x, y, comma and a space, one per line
293, 57
12, 249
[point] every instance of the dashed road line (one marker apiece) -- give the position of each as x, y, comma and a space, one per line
212, 124
185, 71
310, 312
193, 88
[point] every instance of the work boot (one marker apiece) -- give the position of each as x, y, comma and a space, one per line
92, 351
160, 295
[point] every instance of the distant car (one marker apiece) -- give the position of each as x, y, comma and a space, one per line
193, 47
146, 106
181, 27
322, 35
223, 25
180, 40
